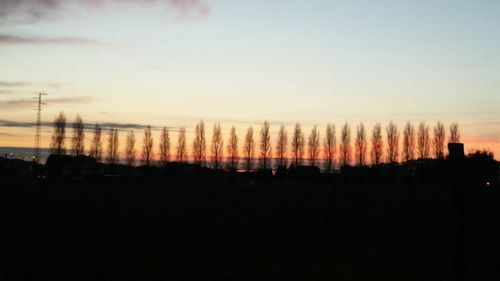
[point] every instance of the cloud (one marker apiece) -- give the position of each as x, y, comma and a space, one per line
3, 134
27, 103
22, 84
131, 126
14, 84
6, 39
6, 92
88, 126
7, 123
36, 10
125, 126
11, 88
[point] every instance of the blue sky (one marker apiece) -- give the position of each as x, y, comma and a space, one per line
241, 62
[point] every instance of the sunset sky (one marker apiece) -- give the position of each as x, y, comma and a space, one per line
174, 62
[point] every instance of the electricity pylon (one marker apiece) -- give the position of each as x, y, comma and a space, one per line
38, 132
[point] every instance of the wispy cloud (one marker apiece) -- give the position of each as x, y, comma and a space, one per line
6, 39
88, 126
17, 104
5, 84
14, 124
36, 10
19, 87
6, 92
3, 134
22, 84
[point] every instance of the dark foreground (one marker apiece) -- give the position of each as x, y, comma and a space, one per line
132, 229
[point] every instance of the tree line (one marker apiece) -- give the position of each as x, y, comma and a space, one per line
416, 143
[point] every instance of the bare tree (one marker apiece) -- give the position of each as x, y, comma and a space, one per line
423, 141
181, 145
199, 144
409, 142
454, 133
314, 145
392, 142
265, 146
164, 146
130, 148
96, 146
361, 145
58, 145
113, 146
439, 138
329, 143
248, 148
147, 146
345, 145
78, 140
217, 147
281, 147
232, 149
298, 143
377, 144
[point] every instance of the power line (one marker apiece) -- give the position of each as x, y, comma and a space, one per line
38, 130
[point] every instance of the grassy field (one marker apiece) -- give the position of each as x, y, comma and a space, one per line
132, 229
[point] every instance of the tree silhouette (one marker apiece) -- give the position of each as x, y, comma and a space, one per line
78, 140
298, 143
330, 142
454, 133
96, 146
181, 145
113, 144
360, 145
423, 141
314, 145
265, 146
232, 149
345, 145
409, 142
416, 143
281, 147
199, 144
248, 148
130, 148
439, 138
164, 146
58, 145
392, 142
147, 146
377, 144
217, 147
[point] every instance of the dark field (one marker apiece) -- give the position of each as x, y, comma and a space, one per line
132, 229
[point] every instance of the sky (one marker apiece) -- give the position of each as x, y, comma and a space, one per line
174, 62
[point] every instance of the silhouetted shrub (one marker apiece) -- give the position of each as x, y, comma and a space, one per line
482, 169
